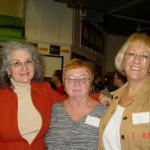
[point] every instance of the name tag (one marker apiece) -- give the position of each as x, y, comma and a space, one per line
143, 117
93, 121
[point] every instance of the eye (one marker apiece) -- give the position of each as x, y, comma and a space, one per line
17, 63
131, 54
84, 78
144, 56
70, 79
29, 62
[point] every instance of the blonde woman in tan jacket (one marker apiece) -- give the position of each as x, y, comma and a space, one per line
126, 123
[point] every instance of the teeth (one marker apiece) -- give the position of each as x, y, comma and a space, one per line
135, 68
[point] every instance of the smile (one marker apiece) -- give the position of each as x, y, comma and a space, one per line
135, 68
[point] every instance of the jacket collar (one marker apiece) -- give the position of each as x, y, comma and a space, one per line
140, 94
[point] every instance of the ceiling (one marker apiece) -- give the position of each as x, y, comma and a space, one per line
120, 17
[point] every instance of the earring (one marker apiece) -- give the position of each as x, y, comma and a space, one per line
9, 76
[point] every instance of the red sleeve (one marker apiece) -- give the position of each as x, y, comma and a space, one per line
61, 90
95, 96
55, 96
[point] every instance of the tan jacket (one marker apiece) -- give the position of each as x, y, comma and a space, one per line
132, 136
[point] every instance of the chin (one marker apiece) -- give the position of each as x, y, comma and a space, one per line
22, 82
25, 81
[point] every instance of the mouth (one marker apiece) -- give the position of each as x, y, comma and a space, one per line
135, 68
25, 74
76, 90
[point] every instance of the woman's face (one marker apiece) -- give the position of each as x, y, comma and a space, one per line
116, 81
54, 78
21, 66
136, 62
77, 83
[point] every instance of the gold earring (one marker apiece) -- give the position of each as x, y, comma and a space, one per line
9, 76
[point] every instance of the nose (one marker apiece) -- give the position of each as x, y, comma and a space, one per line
24, 66
76, 82
137, 58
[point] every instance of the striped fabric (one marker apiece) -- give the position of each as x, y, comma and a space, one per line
66, 134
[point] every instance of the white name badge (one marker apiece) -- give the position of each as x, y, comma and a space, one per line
143, 117
93, 121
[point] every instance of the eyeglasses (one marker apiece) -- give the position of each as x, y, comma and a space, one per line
19, 64
142, 57
82, 80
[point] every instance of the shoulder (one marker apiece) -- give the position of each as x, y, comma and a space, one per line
40, 86
6, 93
5, 90
39, 83
117, 93
58, 112
58, 107
99, 110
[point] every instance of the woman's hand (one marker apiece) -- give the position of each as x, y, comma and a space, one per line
104, 99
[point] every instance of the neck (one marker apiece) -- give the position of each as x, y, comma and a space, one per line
134, 86
20, 86
78, 102
131, 90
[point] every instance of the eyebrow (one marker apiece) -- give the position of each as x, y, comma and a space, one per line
24, 60
135, 51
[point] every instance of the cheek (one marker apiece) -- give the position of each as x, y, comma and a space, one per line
125, 62
148, 68
68, 90
32, 70
12, 72
88, 87
67, 87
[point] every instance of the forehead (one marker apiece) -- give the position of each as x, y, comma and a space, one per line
140, 46
19, 54
77, 71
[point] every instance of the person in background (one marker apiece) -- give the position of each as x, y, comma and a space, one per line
97, 84
74, 122
119, 79
57, 81
25, 100
108, 81
126, 123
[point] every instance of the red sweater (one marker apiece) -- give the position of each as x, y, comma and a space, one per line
43, 96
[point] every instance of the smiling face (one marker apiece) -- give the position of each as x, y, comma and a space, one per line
77, 83
21, 67
136, 61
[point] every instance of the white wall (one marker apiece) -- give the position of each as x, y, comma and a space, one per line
49, 22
